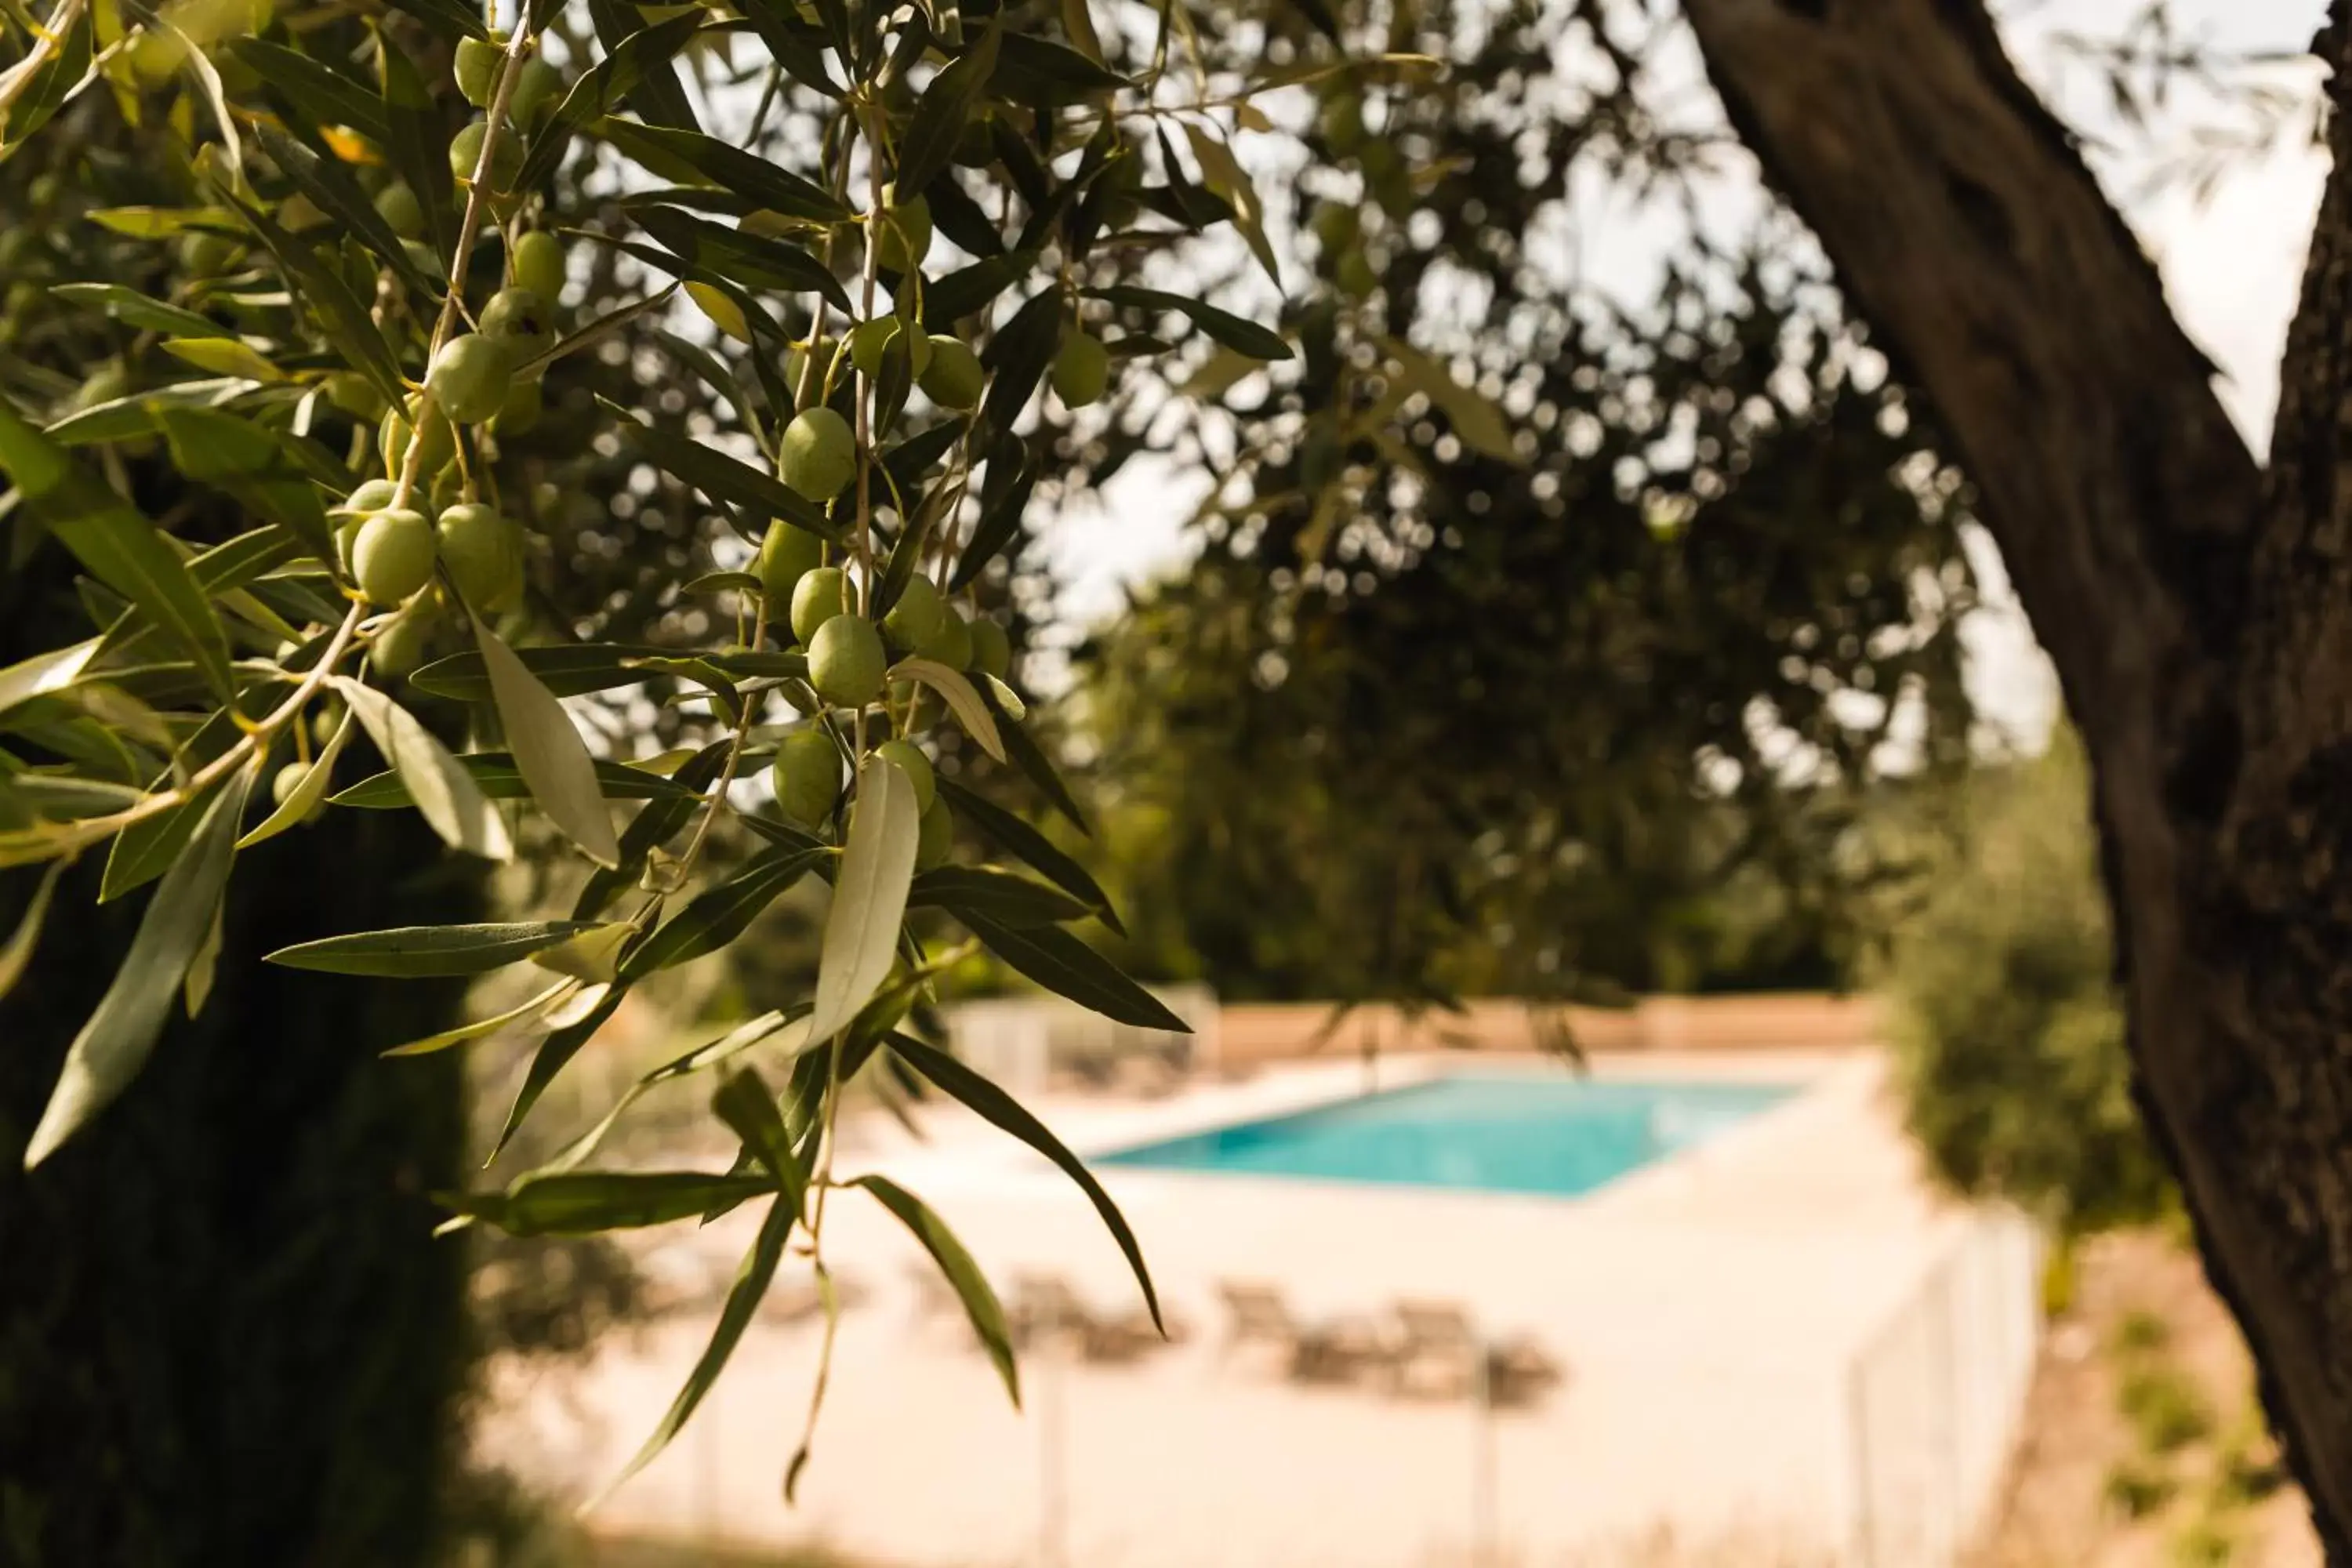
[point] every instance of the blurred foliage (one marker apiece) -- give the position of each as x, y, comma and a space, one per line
2009, 1037
1560, 654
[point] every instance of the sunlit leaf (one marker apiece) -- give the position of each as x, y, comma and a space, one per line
132, 308
443, 792
1063, 965
497, 777
870, 896
1005, 896
309, 794
962, 701
17, 955
548, 752
721, 914
483, 1026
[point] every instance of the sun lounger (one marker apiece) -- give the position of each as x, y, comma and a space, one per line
1046, 1308
1335, 1350
1436, 1354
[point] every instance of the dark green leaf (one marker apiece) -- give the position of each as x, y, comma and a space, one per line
120, 548
1019, 354
980, 1303
1001, 1110
750, 260
1023, 752
962, 220
724, 478
568, 669
1000, 519
407, 951
743, 1298
1241, 336
348, 325
973, 288
750, 1111
585, 1203
604, 88
332, 190
1003, 895
324, 96
553, 1052
1034, 64
728, 167
416, 139
136, 309
908, 460
1069, 967
797, 47
719, 915
495, 775
116, 1041
657, 96
1018, 838
453, 19
930, 139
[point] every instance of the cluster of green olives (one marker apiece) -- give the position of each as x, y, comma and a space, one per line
389, 551
848, 658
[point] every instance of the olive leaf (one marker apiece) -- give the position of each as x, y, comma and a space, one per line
120, 548
721, 914
945, 106
17, 954
548, 752
443, 792
567, 670
409, 953
971, 1287
116, 1041
122, 303
497, 777
306, 795
482, 1026
1069, 968
962, 701
1018, 838
870, 896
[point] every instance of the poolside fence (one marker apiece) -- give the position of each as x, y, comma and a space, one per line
1932, 1403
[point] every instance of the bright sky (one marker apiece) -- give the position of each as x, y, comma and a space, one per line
2231, 266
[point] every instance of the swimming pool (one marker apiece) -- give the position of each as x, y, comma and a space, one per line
1488, 1132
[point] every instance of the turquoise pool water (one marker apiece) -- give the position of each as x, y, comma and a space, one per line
1558, 1136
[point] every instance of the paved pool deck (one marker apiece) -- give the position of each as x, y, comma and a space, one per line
1707, 1308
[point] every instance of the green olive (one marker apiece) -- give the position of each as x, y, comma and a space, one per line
954, 378
1081, 370
806, 775
786, 556
521, 409
519, 321
871, 340
287, 780
951, 644
355, 394
539, 265
347, 538
465, 156
400, 644
392, 556
538, 86
820, 454
821, 594
469, 378
991, 650
477, 67
903, 233
846, 661
400, 211
935, 837
483, 552
909, 760
440, 440
914, 618
374, 495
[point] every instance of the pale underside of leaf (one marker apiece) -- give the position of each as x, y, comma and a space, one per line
483, 1026
305, 797
869, 896
547, 750
444, 793
963, 700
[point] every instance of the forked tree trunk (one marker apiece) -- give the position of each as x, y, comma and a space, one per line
2199, 610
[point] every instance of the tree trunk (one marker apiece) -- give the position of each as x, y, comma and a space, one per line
2199, 610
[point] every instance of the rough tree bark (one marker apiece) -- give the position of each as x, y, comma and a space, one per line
2197, 607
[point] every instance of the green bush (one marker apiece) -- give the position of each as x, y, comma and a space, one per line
2009, 1041
2164, 1408
2134, 1491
